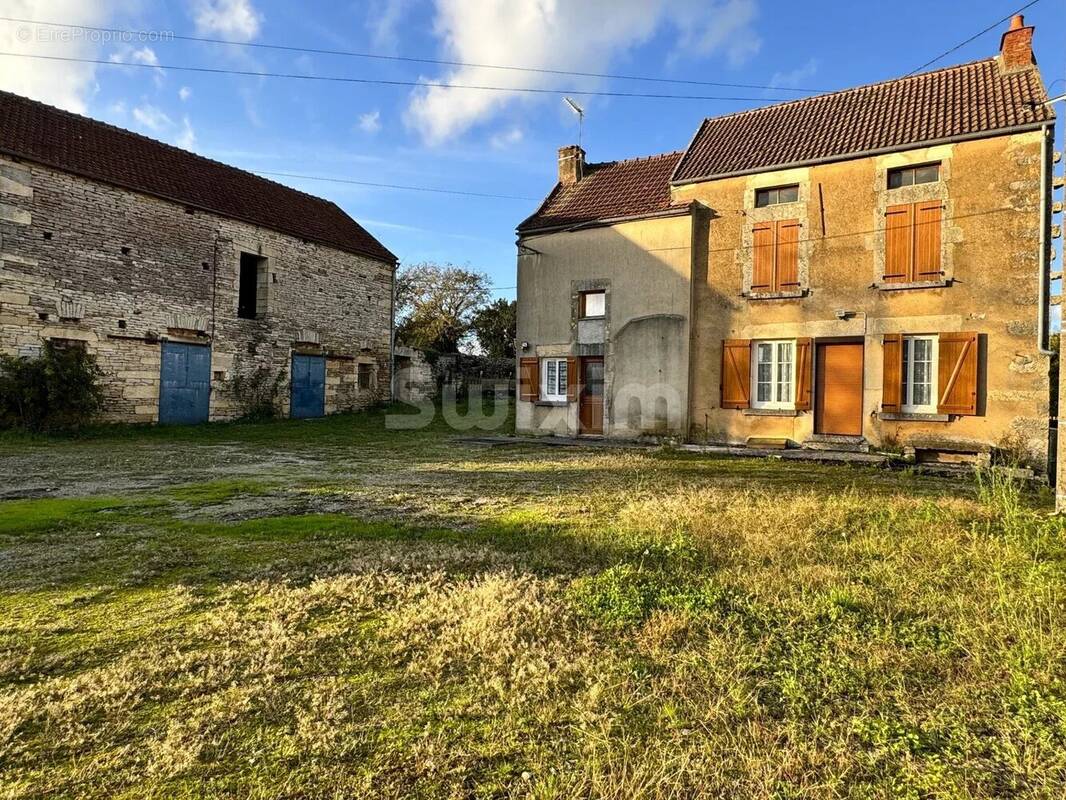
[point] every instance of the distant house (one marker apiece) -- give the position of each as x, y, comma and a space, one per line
179, 272
868, 267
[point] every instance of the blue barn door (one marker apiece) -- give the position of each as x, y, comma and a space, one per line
184, 383
308, 386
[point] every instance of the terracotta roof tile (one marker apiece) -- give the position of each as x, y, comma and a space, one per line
40, 133
965, 100
612, 189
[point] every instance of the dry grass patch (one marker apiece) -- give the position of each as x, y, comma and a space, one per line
447, 621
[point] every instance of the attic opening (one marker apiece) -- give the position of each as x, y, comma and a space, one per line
252, 288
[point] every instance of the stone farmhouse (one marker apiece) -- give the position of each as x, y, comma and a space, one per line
180, 273
868, 267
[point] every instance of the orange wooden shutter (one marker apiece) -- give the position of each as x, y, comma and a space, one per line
803, 374
899, 248
927, 218
736, 373
571, 378
762, 264
787, 272
957, 373
892, 376
528, 379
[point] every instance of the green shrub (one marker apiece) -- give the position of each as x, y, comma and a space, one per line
257, 391
59, 389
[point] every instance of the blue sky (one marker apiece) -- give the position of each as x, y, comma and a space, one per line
498, 142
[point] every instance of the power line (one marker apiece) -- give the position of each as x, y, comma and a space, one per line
394, 186
149, 35
977, 35
377, 81
734, 248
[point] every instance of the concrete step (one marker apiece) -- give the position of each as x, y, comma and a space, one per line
767, 442
840, 444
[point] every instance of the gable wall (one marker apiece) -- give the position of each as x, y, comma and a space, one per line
162, 289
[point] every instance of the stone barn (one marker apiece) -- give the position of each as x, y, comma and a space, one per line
182, 274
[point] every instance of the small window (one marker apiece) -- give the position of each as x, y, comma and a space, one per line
773, 375
248, 305
777, 195
919, 368
593, 304
909, 176
365, 374
553, 379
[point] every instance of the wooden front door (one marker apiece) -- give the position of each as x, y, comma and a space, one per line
590, 407
838, 389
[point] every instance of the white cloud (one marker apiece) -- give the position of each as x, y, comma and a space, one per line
184, 93
146, 55
794, 79
152, 118
383, 17
581, 36
370, 122
230, 19
186, 138
507, 138
64, 84
723, 25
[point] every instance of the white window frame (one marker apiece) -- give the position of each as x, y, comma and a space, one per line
553, 390
907, 367
584, 304
778, 400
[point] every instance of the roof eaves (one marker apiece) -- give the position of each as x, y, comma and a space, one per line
673, 211
541, 207
847, 156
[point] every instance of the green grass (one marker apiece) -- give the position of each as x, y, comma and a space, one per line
331, 609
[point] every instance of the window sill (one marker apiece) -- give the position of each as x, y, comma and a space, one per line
896, 416
771, 412
896, 287
791, 295
551, 403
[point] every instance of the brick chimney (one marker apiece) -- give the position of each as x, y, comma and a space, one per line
571, 164
1016, 46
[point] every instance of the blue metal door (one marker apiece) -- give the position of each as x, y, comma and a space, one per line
184, 384
308, 386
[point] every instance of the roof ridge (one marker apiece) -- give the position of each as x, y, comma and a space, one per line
636, 159
168, 145
847, 90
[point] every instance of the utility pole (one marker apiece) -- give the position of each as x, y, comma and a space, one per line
1053, 207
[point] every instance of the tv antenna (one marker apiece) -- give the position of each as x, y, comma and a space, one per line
580, 117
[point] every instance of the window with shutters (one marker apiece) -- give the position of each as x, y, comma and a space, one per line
773, 374
775, 256
931, 374
553, 379
912, 242
918, 391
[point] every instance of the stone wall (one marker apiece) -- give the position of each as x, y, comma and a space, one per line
990, 237
122, 271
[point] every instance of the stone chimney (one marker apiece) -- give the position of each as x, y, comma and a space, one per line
1016, 46
571, 164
